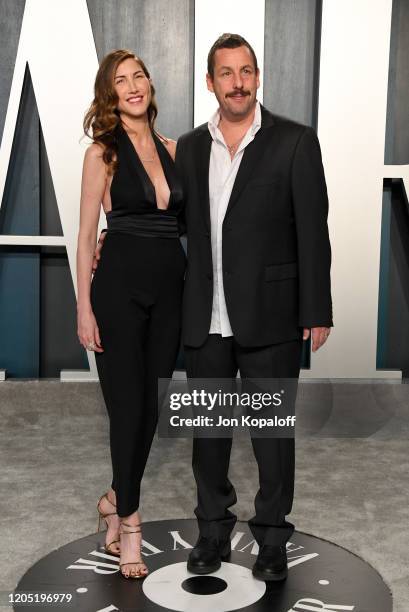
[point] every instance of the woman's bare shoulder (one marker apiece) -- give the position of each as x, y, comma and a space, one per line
94, 152
170, 145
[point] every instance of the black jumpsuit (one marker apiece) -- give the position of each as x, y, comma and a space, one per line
136, 296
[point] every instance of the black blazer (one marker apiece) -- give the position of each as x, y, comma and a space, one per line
276, 250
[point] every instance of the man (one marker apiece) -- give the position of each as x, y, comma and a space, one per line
257, 283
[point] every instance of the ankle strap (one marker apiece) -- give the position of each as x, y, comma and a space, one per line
135, 527
108, 500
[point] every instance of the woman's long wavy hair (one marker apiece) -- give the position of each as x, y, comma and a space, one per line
102, 117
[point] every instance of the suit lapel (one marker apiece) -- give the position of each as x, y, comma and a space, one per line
251, 155
202, 173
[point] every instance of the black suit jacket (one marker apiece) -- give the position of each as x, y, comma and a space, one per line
276, 250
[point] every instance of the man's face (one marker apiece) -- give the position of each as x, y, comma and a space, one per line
235, 82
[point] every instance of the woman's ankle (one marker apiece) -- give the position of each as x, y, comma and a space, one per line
111, 497
132, 519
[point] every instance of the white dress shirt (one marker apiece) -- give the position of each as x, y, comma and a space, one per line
222, 174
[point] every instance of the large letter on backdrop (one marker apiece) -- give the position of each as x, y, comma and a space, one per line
57, 43
351, 126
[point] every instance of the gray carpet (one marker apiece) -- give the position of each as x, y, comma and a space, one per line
55, 464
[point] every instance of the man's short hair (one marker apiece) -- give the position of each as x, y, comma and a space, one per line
228, 41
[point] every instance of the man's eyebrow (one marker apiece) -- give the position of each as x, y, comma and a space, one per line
241, 67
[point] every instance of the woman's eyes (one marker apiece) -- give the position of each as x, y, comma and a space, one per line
119, 81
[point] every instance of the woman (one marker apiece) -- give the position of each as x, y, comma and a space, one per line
129, 314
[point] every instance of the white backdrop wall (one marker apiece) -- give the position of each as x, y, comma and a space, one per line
311, 73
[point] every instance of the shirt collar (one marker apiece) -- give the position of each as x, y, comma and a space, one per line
213, 123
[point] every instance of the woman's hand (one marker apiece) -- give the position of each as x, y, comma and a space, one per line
88, 332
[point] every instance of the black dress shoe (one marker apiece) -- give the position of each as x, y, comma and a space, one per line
207, 555
271, 563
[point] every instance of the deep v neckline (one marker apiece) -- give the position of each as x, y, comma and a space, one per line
161, 150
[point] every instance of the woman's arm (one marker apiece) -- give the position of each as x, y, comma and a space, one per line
94, 178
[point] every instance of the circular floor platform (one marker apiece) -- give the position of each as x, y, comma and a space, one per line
322, 577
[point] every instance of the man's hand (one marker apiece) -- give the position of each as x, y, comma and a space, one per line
97, 254
319, 336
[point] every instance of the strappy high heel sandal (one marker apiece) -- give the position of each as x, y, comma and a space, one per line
136, 529
102, 516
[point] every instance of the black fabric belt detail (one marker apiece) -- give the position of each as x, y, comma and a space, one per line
146, 225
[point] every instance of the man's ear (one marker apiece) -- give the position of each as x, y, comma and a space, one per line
209, 82
258, 77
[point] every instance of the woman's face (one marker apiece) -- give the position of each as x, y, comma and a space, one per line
133, 88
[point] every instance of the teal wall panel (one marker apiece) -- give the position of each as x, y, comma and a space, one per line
20, 266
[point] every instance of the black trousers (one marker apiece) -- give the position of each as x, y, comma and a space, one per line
136, 297
222, 358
